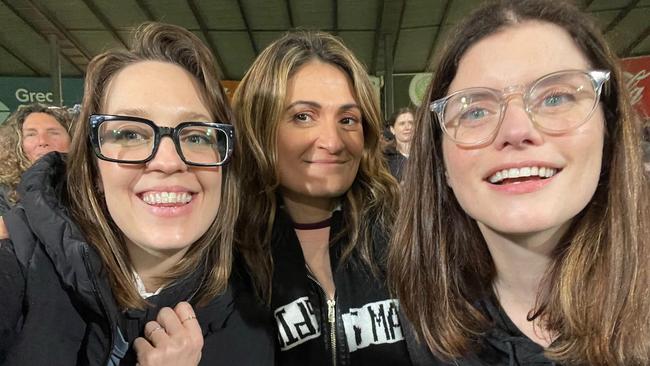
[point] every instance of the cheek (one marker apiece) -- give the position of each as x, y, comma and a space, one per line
355, 144
113, 181
456, 163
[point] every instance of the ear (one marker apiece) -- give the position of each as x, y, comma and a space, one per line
392, 130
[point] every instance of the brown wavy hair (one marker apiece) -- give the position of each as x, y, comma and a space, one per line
213, 251
13, 161
259, 104
595, 294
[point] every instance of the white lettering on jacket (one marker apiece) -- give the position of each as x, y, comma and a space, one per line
296, 323
373, 323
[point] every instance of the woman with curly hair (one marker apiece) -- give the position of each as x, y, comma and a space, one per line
31, 132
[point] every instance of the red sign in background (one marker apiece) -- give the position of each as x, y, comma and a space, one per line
637, 77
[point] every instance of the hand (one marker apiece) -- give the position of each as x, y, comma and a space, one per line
4, 234
174, 338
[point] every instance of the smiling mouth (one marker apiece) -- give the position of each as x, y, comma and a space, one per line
167, 198
523, 174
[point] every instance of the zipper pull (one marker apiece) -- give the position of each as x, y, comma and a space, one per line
331, 311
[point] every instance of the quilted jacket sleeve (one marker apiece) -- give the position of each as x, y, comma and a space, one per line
12, 291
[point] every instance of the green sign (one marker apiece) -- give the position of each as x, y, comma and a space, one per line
15, 91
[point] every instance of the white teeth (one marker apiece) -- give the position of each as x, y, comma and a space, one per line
511, 173
154, 198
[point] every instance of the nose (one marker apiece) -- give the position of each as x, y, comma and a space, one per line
329, 136
166, 158
516, 128
42, 139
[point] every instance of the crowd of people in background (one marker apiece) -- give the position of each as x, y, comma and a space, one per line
505, 221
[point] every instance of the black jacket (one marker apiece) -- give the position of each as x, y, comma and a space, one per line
58, 308
362, 328
5, 203
396, 161
502, 345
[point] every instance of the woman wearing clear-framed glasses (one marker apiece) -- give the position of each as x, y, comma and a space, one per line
526, 173
124, 254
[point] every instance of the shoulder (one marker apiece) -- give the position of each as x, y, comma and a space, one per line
12, 288
10, 268
246, 337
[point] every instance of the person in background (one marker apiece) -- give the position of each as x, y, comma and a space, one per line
29, 133
523, 231
124, 255
397, 152
318, 202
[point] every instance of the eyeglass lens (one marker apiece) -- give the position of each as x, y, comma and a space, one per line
557, 103
135, 141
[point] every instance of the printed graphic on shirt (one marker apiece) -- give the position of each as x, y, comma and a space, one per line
374, 323
296, 323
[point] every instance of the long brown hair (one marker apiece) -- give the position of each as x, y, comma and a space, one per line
595, 293
213, 251
259, 103
13, 161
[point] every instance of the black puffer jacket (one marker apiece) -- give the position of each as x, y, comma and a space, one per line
502, 345
361, 327
396, 161
58, 308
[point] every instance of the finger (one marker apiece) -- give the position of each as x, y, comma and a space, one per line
142, 346
185, 313
145, 353
4, 234
170, 321
155, 333
188, 318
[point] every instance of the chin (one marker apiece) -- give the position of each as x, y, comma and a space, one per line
523, 227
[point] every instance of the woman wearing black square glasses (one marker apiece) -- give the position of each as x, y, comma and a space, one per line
135, 262
523, 234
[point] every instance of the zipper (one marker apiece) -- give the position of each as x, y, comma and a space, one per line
331, 318
331, 315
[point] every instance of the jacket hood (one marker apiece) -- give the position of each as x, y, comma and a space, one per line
41, 214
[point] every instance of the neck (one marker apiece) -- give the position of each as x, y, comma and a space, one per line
304, 210
403, 148
521, 261
151, 266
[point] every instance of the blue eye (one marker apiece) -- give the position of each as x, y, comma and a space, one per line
474, 114
557, 99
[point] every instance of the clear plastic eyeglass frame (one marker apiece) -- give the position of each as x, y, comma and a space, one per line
597, 77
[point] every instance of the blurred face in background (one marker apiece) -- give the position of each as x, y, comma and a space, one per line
42, 134
403, 128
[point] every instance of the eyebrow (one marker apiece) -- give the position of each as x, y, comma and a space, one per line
139, 112
344, 107
47, 130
